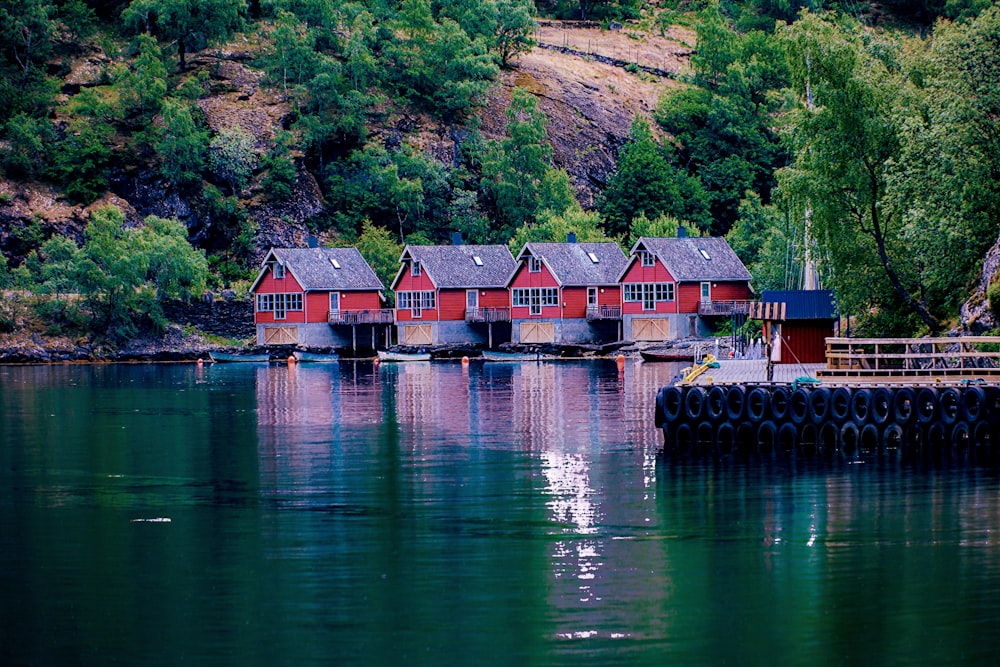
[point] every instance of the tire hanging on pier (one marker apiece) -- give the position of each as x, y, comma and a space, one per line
819, 405
829, 438
725, 439
926, 405
860, 406
671, 402
973, 401
798, 406
881, 406
715, 402
694, 403
840, 405
767, 437
779, 404
904, 406
757, 404
735, 403
705, 437
869, 439
892, 439
849, 439
949, 405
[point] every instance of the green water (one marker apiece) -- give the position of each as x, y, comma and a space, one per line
430, 514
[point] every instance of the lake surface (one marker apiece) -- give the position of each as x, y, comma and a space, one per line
435, 514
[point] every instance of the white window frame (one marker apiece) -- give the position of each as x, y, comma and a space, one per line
414, 268
592, 299
706, 292
334, 302
534, 265
646, 258
472, 298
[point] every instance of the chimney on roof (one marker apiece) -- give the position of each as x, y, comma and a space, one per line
312, 241
456, 238
682, 231
571, 237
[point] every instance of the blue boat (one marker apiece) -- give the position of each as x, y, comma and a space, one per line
226, 357
320, 357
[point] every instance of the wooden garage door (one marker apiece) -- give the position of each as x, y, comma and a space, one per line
646, 329
418, 334
538, 332
281, 335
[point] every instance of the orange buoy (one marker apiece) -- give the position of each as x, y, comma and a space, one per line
465, 361
291, 359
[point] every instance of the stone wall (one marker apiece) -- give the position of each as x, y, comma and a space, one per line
218, 317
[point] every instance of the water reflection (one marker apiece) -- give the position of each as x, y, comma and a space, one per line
434, 513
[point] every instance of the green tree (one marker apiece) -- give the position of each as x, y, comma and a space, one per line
646, 183
279, 179
81, 159
554, 228
292, 59
26, 41
182, 145
382, 253
845, 150
184, 22
27, 141
123, 272
515, 167
232, 157
142, 87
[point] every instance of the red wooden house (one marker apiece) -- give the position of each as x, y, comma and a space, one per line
798, 328
671, 285
319, 297
566, 293
453, 294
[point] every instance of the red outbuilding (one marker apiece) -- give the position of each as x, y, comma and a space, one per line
671, 287
453, 294
566, 293
319, 297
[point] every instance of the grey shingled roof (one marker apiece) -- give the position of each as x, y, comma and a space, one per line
682, 257
571, 265
453, 266
314, 270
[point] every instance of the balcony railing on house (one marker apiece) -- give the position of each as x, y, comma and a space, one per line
723, 308
487, 314
351, 317
595, 313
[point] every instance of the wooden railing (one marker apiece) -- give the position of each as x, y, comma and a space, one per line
350, 317
603, 313
911, 356
719, 308
487, 314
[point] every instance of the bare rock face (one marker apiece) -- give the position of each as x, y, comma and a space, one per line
283, 224
23, 205
976, 316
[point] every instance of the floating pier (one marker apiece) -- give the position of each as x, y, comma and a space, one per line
903, 398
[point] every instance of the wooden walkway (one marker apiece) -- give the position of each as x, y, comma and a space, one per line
868, 361
736, 371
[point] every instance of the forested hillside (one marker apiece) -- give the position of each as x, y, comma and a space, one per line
155, 148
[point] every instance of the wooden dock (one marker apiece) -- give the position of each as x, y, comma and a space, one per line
874, 361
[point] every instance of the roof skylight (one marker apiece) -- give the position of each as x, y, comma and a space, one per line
593, 257
478, 260
703, 253
335, 263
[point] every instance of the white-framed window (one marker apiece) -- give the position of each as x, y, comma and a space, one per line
278, 270
334, 301
534, 265
416, 302
591, 297
648, 293
646, 258
535, 298
415, 268
472, 298
706, 291
278, 304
